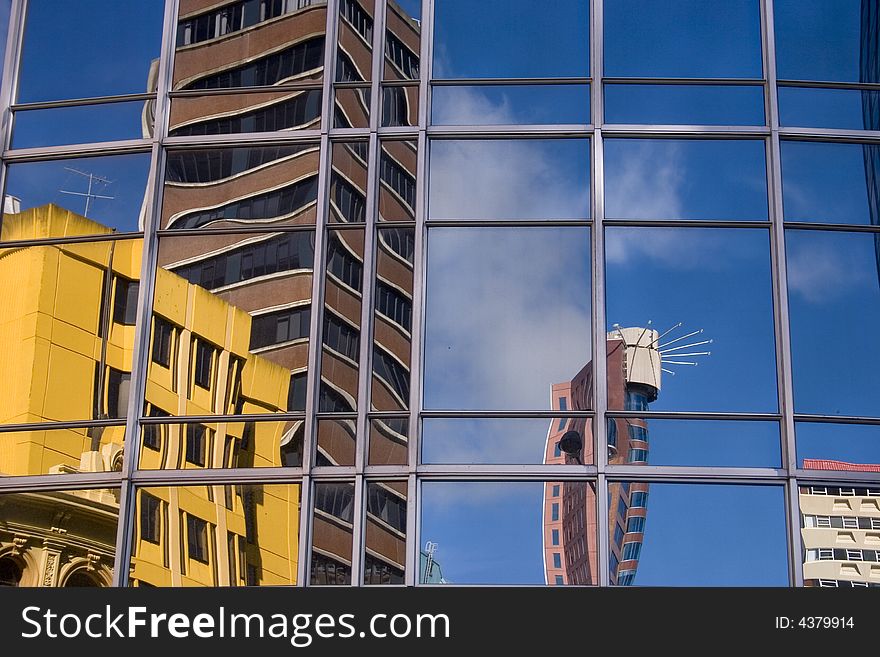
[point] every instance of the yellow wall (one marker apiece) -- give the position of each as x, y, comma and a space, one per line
50, 345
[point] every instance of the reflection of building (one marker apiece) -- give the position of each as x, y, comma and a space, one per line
58, 539
570, 523
272, 53
840, 528
70, 314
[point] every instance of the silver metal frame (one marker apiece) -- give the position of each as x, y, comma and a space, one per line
787, 477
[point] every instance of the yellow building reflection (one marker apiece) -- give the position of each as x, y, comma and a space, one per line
67, 335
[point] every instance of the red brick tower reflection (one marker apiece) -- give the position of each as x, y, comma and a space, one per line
570, 513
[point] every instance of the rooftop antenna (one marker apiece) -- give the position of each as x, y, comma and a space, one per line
668, 353
93, 179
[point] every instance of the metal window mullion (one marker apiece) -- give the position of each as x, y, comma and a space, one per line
313, 380
780, 294
11, 66
305, 532
358, 532
597, 241
74, 481
413, 515
150, 250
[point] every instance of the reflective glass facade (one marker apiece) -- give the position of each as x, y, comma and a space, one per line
425, 292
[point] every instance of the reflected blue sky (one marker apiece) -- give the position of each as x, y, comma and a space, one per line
685, 179
510, 105
485, 440
852, 443
486, 532
684, 104
98, 48
701, 535
507, 316
825, 182
695, 535
713, 443
712, 279
510, 179
38, 183
511, 38
683, 38
834, 302
78, 125
823, 108
818, 39
412, 8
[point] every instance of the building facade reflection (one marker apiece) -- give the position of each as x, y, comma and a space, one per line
840, 529
570, 524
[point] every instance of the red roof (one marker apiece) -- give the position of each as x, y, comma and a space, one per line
825, 464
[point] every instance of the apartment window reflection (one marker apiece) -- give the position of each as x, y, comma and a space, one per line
163, 338
151, 517
197, 538
204, 364
196, 444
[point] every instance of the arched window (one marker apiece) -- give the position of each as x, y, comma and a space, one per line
10, 572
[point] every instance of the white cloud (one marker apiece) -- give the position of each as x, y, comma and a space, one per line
821, 268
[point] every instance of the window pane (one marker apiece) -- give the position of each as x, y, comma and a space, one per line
220, 535
89, 48
463, 519
219, 445
823, 446
400, 106
742, 526
85, 124
685, 39
690, 269
82, 524
504, 440
240, 187
343, 287
485, 39
385, 555
389, 441
826, 40
336, 442
99, 195
66, 358
831, 549
833, 183
403, 33
695, 443
348, 182
246, 44
510, 105
398, 162
196, 116
61, 451
684, 104
392, 320
331, 534
510, 179
247, 298
522, 315
832, 283
355, 37
685, 179
352, 108
829, 108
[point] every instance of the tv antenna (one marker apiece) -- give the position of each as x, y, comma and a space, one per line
93, 180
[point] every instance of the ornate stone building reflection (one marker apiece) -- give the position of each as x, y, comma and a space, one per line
570, 523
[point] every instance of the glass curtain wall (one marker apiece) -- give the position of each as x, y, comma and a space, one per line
426, 292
